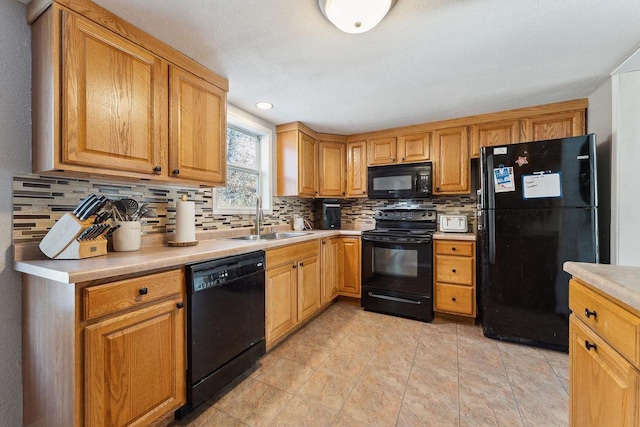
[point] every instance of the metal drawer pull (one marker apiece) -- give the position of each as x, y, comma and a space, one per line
180, 304
590, 313
396, 299
143, 291
590, 346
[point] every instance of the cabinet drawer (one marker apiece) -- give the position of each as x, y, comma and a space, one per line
460, 248
454, 299
453, 269
111, 297
291, 253
617, 326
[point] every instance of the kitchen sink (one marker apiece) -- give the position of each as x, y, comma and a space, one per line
269, 236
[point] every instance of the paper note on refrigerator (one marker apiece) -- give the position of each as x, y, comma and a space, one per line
543, 185
503, 179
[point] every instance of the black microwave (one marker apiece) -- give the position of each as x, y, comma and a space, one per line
408, 181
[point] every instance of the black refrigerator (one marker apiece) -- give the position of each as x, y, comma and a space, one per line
538, 209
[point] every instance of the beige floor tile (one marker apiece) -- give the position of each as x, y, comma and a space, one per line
327, 389
428, 413
284, 374
301, 412
253, 402
349, 367
374, 402
346, 363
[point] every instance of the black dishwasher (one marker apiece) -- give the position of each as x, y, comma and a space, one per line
225, 323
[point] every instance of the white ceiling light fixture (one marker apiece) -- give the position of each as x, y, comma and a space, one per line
355, 16
263, 105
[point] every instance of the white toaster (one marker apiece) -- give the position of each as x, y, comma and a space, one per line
453, 223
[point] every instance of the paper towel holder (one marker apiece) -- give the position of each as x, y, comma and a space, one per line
173, 243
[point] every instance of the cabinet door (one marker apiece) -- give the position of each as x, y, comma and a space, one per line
308, 166
382, 151
332, 169
113, 100
198, 131
330, 269
414, 148
603, 385
135, 366
351, 274
281, 301
357, 169
308, 287
492, 134
554, 125
451, 168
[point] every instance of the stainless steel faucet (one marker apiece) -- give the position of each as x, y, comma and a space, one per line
259, 218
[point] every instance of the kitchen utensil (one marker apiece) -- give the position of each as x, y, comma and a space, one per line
131, 207
83, 204
298, 223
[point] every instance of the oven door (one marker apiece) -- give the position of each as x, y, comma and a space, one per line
399, 265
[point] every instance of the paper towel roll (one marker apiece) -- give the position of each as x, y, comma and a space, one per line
185, 221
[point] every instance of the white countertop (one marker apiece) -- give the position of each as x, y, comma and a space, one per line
441, 235
620, 282
155, 257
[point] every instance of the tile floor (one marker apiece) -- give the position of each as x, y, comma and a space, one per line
349, 367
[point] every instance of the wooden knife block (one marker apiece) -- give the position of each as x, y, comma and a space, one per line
61, 241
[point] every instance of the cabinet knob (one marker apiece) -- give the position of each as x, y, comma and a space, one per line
403, 159
590, 346
324, 243
364, 192
343, 193
157, 169
590, 313
453, 270
393, 159
453, 299
437, 188
302, 264
176, 171
453, 249
143, 291
295, 266
180, 304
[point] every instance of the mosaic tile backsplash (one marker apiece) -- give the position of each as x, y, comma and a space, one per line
39, 201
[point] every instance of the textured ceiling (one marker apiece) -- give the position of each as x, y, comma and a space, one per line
427, 60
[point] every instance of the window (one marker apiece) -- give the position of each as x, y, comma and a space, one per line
248, 165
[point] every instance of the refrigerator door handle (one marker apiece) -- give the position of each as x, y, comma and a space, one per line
490, 217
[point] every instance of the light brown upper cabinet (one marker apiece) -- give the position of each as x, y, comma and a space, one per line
103, 92
357, 169
492, 134
198, 128
297, 173
332, 166
414, 148
400, 149
553, 125
451, 168
112, 92
382, 151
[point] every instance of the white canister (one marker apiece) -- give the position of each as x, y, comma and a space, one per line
128, 236
298, 223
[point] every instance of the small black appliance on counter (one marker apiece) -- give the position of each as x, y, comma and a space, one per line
329, 215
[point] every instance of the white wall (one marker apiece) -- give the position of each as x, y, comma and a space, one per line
599, 121
15, 158
625, 164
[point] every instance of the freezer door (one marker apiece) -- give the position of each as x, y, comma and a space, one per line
524, 288
570, 162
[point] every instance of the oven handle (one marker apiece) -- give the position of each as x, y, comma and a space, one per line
396, 299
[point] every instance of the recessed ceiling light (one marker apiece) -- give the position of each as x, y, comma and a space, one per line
264, 105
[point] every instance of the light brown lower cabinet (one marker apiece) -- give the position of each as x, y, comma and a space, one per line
103, 354
292, 291
454, 277
604, 360
350, 270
